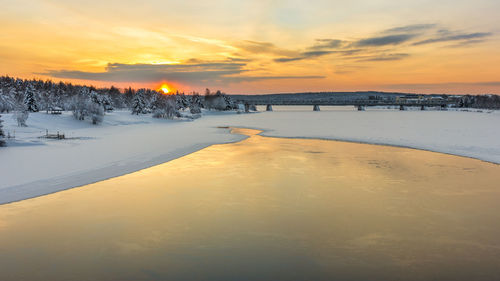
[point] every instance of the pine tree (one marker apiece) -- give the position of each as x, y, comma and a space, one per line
138, 104
196, 104
95, 107
29, 99
2, 134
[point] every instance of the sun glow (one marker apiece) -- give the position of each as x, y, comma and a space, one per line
165, 89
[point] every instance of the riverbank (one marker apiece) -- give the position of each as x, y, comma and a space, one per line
124, 143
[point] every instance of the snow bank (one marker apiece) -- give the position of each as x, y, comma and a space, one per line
125, 143
470, 134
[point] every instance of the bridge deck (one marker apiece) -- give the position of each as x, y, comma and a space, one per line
346, 103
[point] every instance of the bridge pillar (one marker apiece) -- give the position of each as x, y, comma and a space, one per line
402, 107
361, 108
269, 107
316, 107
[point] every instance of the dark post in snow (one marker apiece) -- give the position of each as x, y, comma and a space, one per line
401, 107
247, 107
422, 107
361, 108
269, 107
316, 107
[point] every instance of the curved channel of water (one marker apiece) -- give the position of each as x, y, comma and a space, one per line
267, 209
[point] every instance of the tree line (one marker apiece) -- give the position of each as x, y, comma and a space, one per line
23, 96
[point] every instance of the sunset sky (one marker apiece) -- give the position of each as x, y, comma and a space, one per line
439, 46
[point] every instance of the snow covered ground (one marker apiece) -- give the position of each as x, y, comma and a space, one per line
124, 143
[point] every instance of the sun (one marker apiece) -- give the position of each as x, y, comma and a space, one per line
164, 88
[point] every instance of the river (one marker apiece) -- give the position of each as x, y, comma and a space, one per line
267, 209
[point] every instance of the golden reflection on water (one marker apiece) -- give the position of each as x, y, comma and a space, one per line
267, 209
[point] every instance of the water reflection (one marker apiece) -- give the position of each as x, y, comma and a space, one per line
267, 209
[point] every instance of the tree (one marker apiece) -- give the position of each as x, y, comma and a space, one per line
88, 104
2, 134
129, 95
165, 107
181, 101
29, 99
138, 104
46, 97
79, 107
195, 105
96, 112
7, 102
218, 101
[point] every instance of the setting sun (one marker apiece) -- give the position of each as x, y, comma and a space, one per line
164, 88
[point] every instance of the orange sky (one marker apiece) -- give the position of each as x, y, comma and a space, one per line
256, 46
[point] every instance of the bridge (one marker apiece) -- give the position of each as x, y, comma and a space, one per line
361, 104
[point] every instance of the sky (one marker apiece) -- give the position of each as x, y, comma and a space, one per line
252, 47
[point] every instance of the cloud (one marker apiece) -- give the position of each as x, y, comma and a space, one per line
255, 47
238, 79
326, 44
251, 57
203, 72
386, 57
411, 28
457, 37
305, 55
373, 48
385, 40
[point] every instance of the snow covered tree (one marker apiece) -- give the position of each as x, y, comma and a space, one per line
138, 104
7, 102
218, 101
106, 103
95, 108
195, 105
116, 98
46, 100
165, 107
80, 104
79, 107
88, 103
181, 101
94, 97
129, 95
2, 134
96, 112
170, 108
29, 99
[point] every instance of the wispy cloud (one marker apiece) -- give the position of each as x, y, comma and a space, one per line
207, 72
411, 28
457, 37
387, 45
385, 57
305, 55
385, 40
255, 47
326, 44
246, 60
